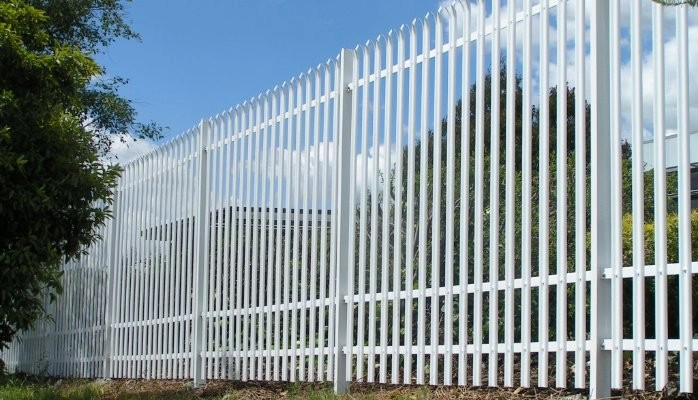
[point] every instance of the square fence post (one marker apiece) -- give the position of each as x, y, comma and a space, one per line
601, 206
344, 208
109, 309
200, 256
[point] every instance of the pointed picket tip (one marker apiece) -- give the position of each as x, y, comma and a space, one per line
413, 26
465, 6
266, 97
300, 79
401, 41
299, 88
426, 20
452, 10
299, 82
329, 64
364, 48
439, 15
378, 44
283, 94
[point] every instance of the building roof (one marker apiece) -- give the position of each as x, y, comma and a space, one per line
672, 157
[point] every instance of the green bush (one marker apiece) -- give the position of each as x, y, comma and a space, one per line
672, 241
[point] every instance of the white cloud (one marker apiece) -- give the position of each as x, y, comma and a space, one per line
368, 177
125, 149
311, 164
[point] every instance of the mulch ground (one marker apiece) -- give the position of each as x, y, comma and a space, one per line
229, 390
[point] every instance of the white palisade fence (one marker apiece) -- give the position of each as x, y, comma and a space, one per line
423, 209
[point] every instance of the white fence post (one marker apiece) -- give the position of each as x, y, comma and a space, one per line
111, 292
344, 207
600, 371
200, 256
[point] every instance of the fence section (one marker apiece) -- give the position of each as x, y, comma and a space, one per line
72, 342
151, 299
462, 201
269, 296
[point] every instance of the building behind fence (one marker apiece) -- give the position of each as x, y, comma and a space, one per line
392, 216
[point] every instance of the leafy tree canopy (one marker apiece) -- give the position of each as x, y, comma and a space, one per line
57, 116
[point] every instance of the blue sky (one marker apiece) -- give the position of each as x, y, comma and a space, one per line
198, 58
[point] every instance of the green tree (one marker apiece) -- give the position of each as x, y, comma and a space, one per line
57, 116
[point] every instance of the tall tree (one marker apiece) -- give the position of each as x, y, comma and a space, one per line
57, 116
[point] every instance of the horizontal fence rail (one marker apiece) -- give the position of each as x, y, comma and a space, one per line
497, 194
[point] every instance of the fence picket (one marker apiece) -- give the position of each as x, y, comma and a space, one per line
561, 205
493, 339
684, 187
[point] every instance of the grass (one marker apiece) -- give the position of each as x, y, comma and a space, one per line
21, 387
17, 387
